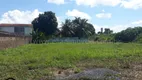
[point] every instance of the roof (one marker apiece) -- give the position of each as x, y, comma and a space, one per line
15, 25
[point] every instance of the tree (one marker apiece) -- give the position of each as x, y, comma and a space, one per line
128, 35
37, 36
139, 38
77, 28
67, 29
108, 31
46, 23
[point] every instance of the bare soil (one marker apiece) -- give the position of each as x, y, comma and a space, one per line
132, 73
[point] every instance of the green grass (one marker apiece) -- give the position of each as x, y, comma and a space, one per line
34, 61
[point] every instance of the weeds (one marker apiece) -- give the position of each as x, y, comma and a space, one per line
34, 61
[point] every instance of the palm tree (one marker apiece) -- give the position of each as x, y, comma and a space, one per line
77, 28
66, 29
83, 29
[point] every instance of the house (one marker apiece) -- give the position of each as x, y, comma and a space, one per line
19, 29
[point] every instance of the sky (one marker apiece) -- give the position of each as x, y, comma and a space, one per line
114, 14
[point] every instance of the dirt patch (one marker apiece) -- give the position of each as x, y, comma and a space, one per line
134, 73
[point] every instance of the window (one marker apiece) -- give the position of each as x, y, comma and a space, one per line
19, 30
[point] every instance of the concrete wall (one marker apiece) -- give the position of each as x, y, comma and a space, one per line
27, 30
7, 29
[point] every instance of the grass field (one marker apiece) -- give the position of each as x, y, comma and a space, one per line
39, 61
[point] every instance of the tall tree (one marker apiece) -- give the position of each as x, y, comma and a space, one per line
108, 31
80, 25
67, 29
46, 23
128, 35
77, 28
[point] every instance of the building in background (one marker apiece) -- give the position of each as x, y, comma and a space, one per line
19, 29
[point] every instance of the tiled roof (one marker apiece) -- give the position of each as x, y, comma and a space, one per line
15, 25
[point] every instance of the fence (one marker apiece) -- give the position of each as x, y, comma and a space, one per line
12, 42
62, 40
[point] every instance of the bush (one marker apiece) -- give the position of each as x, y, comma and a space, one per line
38, 36
139, 38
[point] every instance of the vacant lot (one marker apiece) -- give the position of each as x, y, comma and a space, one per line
39, 61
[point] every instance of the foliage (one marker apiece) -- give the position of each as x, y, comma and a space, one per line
139, 38
77, 28
104, 37
46, 26
108, 31
46, 23
37, 36
67, 29
128, 35
36, 61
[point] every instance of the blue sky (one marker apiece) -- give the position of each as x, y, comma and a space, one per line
114, 14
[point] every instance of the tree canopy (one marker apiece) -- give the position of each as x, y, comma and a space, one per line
46, 23
108, 31
128, 35
77, 28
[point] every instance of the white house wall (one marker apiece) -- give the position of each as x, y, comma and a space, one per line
7, 29
28, 30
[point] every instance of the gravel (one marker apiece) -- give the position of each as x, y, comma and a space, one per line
95, 74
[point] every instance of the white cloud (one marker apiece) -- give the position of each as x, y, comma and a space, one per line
137, 22
103, 15
86, 2
93, 3
59, 22
115, 28
118, 28
132, 4
58, 2
22, 17
97, 27
76, 13
17, 16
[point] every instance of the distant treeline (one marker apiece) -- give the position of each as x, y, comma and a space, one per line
128, 35
45, 28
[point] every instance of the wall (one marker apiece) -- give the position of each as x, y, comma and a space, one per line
28, 30
12, 42
7, 29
